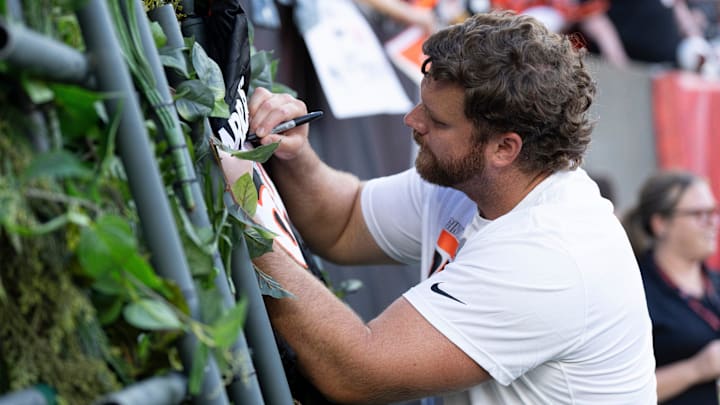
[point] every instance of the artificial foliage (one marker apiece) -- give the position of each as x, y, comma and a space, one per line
49, 332
81, 308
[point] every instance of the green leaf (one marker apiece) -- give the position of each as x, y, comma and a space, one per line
158, 34
189, 42
260, 154
199, 260
76, 97
263, 71
109, 247
77, 110
199, 244
268, 286
92, 253
194, 100
245, 193
151, 315
220, 109
199, 361
38, 92
259, 240
111, 284
138, 266
212, 303
57, 164
227, 329
175, 59
208, 72
261, 75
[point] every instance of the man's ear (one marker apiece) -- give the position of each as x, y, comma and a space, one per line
505, 149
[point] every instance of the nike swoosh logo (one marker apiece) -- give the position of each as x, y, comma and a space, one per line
436, 289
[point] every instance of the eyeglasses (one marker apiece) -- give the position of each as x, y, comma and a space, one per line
699, 214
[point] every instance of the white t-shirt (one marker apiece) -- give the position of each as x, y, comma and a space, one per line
546, 298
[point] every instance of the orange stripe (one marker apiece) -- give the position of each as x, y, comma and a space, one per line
425, 3
448, 243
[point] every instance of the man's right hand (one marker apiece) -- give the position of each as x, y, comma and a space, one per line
267, 110
323, 203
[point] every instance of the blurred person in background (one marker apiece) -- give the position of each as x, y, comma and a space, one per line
673, 230
661, 31
418, 13
564, 15
707, 16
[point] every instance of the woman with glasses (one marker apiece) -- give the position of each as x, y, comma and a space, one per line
673, 230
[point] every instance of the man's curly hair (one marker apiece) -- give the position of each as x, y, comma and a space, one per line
518, 77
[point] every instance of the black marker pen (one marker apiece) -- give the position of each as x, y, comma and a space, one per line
287, 125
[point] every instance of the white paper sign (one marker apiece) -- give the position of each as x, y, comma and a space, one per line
355, 74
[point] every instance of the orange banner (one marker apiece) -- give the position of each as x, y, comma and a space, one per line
686, 111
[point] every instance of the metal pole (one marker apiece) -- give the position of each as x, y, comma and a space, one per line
40, 55
259, 332
160, 390
244, 390
144, 180
38, 395
192, 25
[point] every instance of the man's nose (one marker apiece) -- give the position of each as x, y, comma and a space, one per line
413, 119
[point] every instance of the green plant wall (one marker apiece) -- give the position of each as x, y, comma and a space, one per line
81, 308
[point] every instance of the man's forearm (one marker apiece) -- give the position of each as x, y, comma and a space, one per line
385, 360
321, 330
319, 199
675, 378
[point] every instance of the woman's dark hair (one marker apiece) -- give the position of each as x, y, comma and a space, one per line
518, 77
659, 195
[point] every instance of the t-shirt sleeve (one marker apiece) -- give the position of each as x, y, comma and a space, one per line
392, 207
508, 304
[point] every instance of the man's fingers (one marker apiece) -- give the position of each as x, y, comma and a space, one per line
267, 110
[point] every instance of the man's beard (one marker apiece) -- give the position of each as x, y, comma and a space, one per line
449, 173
